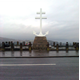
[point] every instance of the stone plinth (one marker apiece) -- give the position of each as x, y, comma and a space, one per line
40, 43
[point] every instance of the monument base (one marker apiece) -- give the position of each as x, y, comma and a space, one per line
40, 43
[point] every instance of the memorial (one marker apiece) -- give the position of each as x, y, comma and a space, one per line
40, 41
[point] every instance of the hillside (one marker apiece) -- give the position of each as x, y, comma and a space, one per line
6, 39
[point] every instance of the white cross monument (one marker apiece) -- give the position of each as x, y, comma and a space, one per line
40, 34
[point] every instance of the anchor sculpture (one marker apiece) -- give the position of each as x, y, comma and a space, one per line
40, 34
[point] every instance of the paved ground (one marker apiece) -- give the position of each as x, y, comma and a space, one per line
39, 68
37, 53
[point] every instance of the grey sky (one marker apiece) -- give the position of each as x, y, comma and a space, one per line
17, 19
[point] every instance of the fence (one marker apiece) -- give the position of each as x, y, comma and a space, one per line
22, 46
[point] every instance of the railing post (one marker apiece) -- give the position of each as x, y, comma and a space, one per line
67, 46
77, 46
3, 46
21, 46
17, 43
54, 44
47, 46
57, 47
29, 46
9, 43
12, 46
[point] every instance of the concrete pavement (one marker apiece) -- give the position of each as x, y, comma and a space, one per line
65, 69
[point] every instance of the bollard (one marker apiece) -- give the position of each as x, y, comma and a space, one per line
77, 46
54, 44
9, 43
67, 46
17, 43
12, 46
57, 47
47, 46
3, 46
21, 46
29, 46
74, 43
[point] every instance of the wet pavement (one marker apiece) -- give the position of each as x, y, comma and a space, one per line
39, 68
36, 53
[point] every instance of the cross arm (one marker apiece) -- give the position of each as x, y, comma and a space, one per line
39, 12
44, 18
37, 17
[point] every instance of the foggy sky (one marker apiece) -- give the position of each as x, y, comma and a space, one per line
17, 19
